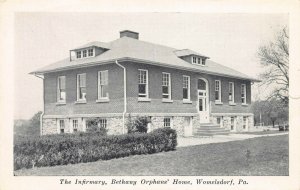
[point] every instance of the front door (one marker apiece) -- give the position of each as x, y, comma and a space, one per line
203, 106
188, 127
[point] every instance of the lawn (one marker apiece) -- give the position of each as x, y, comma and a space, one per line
256, 156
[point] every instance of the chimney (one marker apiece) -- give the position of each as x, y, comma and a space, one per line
129, 34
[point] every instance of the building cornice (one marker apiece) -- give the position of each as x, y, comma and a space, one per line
129, 59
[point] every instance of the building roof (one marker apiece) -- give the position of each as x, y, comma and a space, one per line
129, 49
93, 44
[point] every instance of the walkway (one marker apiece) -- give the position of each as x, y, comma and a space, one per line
191, 141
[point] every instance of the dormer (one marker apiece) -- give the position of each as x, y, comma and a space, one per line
89, 50
191, 57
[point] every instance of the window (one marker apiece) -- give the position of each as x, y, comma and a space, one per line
61, 126
61, 89
75, 125
166, 86
231, 92
78, 54
91, 52
81, 86
202, 61
186, 87
103, 123
102, 84
245, 122
232, 123
199, 60
167, 122
220, 121
243, 93
194, 59
84, 53
218, 90
143, 83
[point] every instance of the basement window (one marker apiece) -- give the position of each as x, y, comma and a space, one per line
62, 126
75, 125
102, 123
232, 123
167, 122
220, 121
245, 123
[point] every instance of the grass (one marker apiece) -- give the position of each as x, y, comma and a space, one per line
262, 132
265, 156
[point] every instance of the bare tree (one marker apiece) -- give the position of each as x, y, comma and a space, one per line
270, 112
275, 58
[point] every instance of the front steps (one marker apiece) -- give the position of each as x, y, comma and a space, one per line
210, 129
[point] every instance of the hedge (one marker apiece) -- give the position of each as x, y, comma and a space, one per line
76, 148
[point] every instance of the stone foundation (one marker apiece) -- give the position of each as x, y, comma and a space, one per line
177, 123
49, 126
196, 123
115, 124
238, 124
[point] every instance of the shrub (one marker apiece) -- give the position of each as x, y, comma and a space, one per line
88, 147
138, 125
93, 126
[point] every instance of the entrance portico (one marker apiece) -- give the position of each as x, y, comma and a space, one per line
203, 100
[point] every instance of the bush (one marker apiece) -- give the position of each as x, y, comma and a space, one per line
93, 126
88, 147
138, 125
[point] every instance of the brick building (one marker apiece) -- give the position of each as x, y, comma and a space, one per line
128, 77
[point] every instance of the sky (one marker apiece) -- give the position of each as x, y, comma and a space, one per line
43, 38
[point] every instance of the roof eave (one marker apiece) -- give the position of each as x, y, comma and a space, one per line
194, 55
123, 59
105, 48
191, 69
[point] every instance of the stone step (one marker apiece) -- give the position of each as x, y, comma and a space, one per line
208, 124
212, 127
